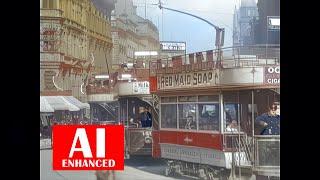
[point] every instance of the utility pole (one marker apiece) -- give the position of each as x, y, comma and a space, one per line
145, 9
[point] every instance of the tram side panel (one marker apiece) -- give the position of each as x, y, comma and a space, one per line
156, 151
189, 146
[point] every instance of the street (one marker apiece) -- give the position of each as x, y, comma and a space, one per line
136, 168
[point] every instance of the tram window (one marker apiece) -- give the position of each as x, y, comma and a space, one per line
187, 116
209, 98
188, 99
168, 116
250, 108
168, 99
208, 116
231, 116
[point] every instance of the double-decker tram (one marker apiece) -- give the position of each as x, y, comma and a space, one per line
208, 111
124, 98
136, 106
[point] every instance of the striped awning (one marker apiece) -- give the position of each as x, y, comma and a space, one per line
87, 106
75, 102
60, 103
45, 107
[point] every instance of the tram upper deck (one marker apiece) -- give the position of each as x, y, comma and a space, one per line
203, 70
209, 104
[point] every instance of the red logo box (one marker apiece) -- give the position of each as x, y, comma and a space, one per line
88, 147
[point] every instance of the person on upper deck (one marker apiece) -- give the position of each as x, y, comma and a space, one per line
270, 121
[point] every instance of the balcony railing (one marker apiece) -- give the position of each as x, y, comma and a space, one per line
55, 13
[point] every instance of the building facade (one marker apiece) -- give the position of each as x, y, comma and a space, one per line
261, 33
131, 33
75, 41
242, 20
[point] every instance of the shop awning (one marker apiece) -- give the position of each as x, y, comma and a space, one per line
87, 106
45, 107
75, 102
60, 103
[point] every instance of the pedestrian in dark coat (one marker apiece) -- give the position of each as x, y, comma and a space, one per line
270, 121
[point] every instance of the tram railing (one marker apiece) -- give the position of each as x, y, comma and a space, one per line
267, 155
239, 143
232, 57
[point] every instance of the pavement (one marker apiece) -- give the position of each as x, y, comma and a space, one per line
136, 168
45, 144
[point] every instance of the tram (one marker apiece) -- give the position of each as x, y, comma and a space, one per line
135, 100
207, 113
121, 98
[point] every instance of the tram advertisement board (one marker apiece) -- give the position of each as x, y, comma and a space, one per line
272, 75
88, 147
141, 87
194, 79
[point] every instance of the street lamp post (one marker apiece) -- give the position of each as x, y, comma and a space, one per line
219, 31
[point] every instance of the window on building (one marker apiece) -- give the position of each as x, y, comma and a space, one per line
168, 116
49, 4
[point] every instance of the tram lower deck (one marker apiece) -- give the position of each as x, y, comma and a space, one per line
213, 134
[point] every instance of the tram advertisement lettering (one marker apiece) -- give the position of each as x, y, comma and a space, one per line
141, 87
187, 79
272, 75
88, 147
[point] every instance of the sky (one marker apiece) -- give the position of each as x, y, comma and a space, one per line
198, 35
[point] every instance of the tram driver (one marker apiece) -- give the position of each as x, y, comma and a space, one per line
146, 118
270, 121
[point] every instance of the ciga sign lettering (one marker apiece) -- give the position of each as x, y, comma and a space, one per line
88, 147
272, 75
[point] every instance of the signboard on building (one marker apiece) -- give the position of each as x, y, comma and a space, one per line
272, 75
172, 46
185, 80
141, 87
273, 23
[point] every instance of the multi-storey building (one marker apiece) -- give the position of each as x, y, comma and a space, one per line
242, 20
261, 32
75, 40
131, 33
